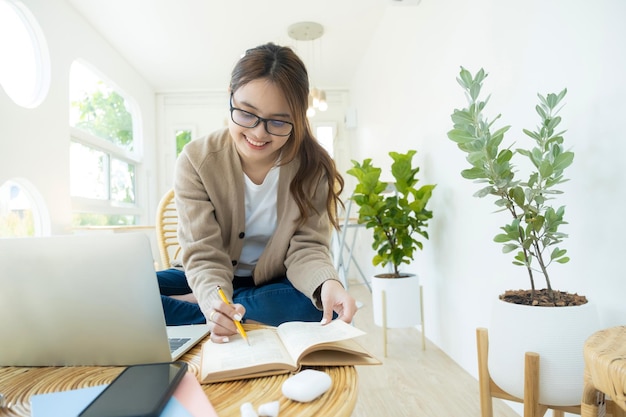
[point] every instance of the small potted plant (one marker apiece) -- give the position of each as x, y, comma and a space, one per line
397, 215
533, 235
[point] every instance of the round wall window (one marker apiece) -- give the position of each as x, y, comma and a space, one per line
24, 57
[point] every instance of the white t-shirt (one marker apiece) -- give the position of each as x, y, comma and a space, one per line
261, 220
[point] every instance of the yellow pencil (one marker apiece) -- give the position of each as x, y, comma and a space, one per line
242, 332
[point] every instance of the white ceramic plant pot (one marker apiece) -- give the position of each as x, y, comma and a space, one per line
402, 297
557, 334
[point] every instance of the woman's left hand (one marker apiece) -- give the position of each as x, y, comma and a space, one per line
336, 298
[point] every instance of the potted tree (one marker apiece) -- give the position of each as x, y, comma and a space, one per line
397, 215
533, 235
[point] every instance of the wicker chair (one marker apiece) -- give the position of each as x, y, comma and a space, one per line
605, 373
166, 230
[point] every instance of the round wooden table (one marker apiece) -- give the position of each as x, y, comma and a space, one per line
17, 384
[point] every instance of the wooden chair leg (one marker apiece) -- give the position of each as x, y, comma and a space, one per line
592, 400
614, 409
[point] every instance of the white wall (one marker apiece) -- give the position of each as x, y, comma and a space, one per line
199, 112
34, 143
527, 47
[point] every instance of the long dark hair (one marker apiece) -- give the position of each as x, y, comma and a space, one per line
281, 66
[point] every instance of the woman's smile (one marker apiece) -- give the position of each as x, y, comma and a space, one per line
255, 143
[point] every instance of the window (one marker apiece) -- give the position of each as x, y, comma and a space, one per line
325, 134
22, 213
183, 137
104, 154
24, 58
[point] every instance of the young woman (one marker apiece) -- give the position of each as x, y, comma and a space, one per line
253, 202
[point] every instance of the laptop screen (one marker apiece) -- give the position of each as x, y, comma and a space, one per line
80, 300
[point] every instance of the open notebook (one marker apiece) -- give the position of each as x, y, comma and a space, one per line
84, 300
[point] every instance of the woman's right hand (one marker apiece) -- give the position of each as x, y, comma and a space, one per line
336, 299
221, 320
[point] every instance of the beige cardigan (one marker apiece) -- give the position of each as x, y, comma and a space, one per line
209, 190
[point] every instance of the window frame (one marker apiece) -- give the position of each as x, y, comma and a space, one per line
109, 207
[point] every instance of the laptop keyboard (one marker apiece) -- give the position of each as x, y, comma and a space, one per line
176, 342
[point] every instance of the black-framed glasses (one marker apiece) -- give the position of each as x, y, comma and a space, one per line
246, 119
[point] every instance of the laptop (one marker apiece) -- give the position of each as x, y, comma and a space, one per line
85, 300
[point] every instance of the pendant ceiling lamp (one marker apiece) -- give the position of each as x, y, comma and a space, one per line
311, 32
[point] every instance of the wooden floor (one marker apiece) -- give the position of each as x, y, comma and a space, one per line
412, 382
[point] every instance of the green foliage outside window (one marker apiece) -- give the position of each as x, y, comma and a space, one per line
17, 224
183, 137
103, 113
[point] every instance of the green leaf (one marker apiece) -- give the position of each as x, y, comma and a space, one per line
554, 122
474, 91
480, 76
501, 238
517, 195
509, 247
461, 117
532, 134
541, 112
465, 78
473, 173
563, 161
552, 100
504, 156
545, 169
498, 135
483, 192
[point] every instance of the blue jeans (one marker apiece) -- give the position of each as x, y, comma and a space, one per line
273, 303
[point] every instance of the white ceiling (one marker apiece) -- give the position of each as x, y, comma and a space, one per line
180, 45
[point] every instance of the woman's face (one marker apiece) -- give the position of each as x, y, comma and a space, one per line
264, 99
